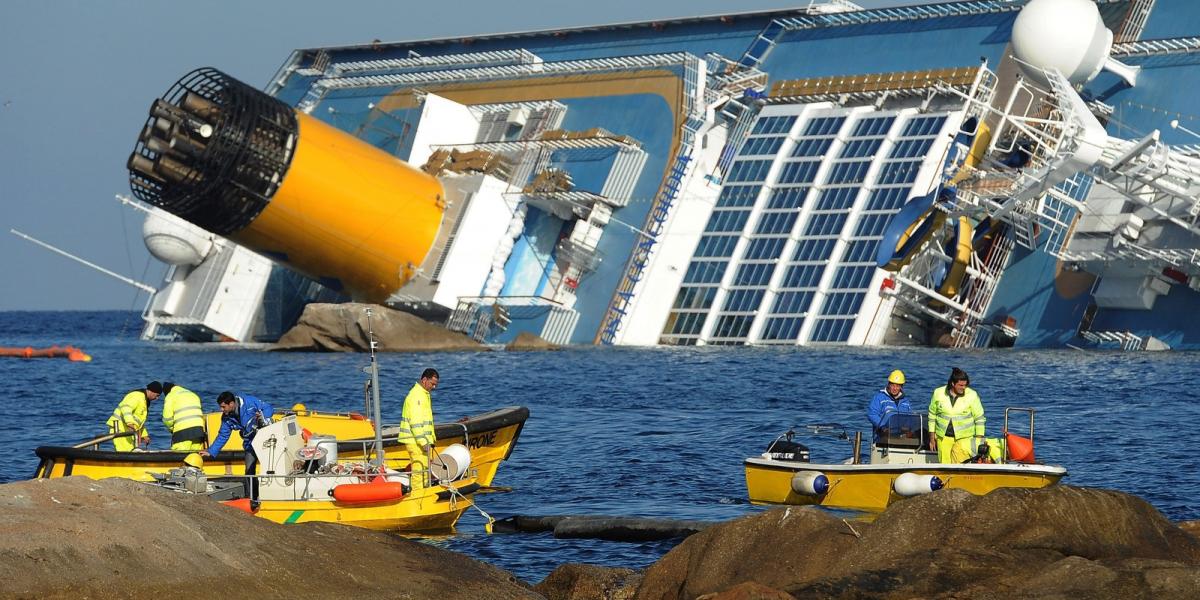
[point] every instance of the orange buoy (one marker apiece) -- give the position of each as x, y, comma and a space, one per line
1020, 449
242, 504
69, 352
379, 490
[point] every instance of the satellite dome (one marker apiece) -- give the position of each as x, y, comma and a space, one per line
174, 241
1067, 35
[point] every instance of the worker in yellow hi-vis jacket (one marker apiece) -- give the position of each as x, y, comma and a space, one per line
416, 427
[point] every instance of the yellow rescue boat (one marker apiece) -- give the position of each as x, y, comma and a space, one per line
491, 437
901, 465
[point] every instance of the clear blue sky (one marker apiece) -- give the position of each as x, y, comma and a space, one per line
77, 78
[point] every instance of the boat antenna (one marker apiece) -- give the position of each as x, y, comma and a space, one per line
374, 371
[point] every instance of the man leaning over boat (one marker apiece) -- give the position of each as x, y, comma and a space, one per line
416, 427
183, 416
245, 414
130, 415
886, 403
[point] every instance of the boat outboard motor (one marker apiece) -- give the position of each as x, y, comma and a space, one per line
785, 449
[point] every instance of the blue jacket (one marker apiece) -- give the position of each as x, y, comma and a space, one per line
244, 420
881, 409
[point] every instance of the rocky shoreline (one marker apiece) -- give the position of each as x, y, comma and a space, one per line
81, 538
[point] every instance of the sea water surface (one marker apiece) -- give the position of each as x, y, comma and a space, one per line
658, 432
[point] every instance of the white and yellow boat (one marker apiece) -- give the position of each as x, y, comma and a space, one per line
901, 466
301, 483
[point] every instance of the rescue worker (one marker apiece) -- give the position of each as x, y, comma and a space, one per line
244, 414
886, 403
130, 415
416, 427
956, 420
183, 417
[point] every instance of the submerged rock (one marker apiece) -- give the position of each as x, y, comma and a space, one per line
1057, 542
589, 582
114, 538
343, 328
529, 341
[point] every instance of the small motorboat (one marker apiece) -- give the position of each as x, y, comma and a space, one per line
299, 482
901, 465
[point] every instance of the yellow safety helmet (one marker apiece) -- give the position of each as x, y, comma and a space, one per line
896, 377
193, 460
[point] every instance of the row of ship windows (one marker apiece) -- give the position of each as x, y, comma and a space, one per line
819, 147
841, 172
736, 327
820, 223
744, 196
769, 132
859, 250
799, 279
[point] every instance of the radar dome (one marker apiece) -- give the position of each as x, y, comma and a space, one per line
174, 241
1067, 35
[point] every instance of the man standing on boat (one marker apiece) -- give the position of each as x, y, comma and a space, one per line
956, 419
183, 417
886, 403
130, 415
244, 414
416, 427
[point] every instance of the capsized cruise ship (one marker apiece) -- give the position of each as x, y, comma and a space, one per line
964, 174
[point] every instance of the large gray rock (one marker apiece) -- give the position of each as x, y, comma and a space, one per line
574, 581
1057, 542
343, 328
528, 341
114, 538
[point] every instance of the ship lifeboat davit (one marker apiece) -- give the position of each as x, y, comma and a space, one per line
810, 483
379, 490
915, 484
958, 247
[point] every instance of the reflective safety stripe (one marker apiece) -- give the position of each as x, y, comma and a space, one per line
966, 414
181, 410
292, 518
132, 409
416, 419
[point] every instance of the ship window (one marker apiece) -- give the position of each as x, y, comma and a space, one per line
753, 274
911, 148
852, 278
696, 298
842, 303
861, 251
836, 199
716, 246
813, 250
812, 147
832, 330
749, 170
799, 172
738, 196
686, 323
848, 172
776, 223
761, 146
743, 300
899, 172
732, 326
871, 225
706, 271
861, 148
802, 276
825, 224
789, 197
792, 303
787, 328
887, 199
765, 248
920, 126
872, 126
732, 221
768, 125
823, 126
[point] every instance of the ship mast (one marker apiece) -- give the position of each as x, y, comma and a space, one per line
374, 371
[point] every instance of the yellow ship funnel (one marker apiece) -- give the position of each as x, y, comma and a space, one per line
239, 163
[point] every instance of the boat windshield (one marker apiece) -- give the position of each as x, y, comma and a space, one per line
904, 430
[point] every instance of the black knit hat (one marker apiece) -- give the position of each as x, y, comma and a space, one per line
154, 386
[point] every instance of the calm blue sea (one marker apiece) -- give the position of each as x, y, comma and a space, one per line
640, 432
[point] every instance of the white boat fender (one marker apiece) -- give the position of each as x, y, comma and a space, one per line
915, 484
810, 483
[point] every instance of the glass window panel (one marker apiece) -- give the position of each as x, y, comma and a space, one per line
753, 274
872, 126
799, 172
738, 195
861, 251
825, 224
787, 328
836, 199
776, 223
789, 197
832, 330
852, 278
848, 172
707, 271
823, 126
791, 303
899, 172
765, 248
732, 221
687, 324
749, 170
743, 300
732, 326
861, 148
813, 250
887, 199
802, 276
927, 125
695, 298
812, 147
870, 225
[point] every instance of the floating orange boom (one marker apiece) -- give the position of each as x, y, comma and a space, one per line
70, 353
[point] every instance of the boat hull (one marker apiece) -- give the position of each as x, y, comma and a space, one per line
869, 487
429, 509
491, 437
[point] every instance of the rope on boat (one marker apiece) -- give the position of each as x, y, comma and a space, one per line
455, 494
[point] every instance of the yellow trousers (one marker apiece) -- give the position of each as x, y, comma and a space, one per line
954, 451
418, 478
